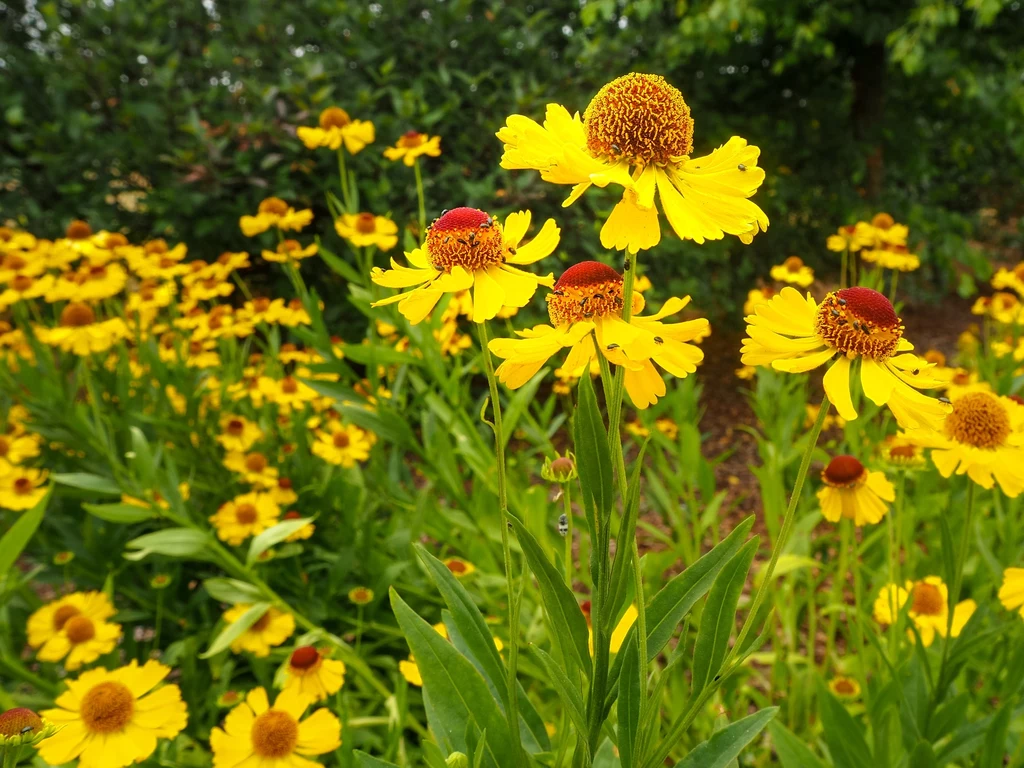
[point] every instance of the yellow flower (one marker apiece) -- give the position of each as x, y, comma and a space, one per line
237, 433
335, 128
1011, 593
793, 270
312, 675
885, 231
796, 334
60, 627
983, 438
15, 448
21, 488
275, 212
271, 629
20, 727
411, 145
342, 444
1009, 278
642, 283
81, 333
253, 467
844, 687
902, 453
1001, 306
360, 595
114, 718
365, 229
92, 282
852, 492
25, 287
849, 237
757, 296
929, 608
466, 247
283, 493
637, 132
892, 257
304, 532
410, 669
291, 250
459, 567
587, 300
288, 393
245, 516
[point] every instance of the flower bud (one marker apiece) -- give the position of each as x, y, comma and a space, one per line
561, 469
457, 760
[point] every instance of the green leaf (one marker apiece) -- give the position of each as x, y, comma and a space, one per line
232, 591
458, 694
274, 535
994, 752
791, 749
593, 457
383, 422
843, 735
339, 266
235, 629
567, 691
630, 700
87, 482
725, 746
20, 533
568, 628
142, 461
120, 513
719, 618
172, 542
627, 532
363, 760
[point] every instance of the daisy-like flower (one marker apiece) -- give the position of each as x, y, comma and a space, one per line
92, 282
288, 393
336, 128
852, 492
284, 493
342, 444
983, 438
850, 237
275, 212
794, 271
244, 516
365, 229
1012, 279
586, 301
901, 453
413, 144
757, 296
929, 608
114, 718
466, 248
271, 629
302, 533
21, 488
637, 132
254, 468
312, 675
844, 687
61, 626
1001, 306
360, 595
25, 287
290, 251
81, 333
16, 448
896, 257
885, 230
1011, 593
458, 566
22, 727
237, 433
795, 334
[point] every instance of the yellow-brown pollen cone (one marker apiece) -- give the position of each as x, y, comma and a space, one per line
412, 139
641, 118
464, 237
926, 599
584, 291
978, 419
78, 230
77, 315
843, 472
859, 322
274, 205
793, 263
366, 223
107, 707
334, 117
274, 734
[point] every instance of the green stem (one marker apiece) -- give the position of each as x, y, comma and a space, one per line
892, 286
13, 668
513, 601
838, 581
420, 197
342, 173
842, 268
894, 557
567, 507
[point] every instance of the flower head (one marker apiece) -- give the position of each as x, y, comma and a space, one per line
412, 145
1011, 592
256, 734
360, 595
289, 251
254, 468
844, 687
459, 568
114, 718
312, 675
335, 128
270, 629
849, 237
795, 334
21, 488
365, 229
637, 132
851, 491
464, 248
342, 444
81, 333
244, 516
21, 726
896, 257
929, 608
794, 271
275, 212
237, 433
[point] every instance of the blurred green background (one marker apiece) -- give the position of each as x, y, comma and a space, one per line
172, 119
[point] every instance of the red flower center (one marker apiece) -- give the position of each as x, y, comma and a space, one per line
464, 237
304, 657
859, 322
584, 291
843, 471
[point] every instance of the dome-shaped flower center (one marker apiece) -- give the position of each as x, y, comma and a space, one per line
289, 385
340, 440
304, 657
793, 264
261, 623
640, 118
844, 687
412, 139
585, 609
155, 246
456, 566
292, 515
361, 595
902, 452
926, 600
334, 117
882, 221
78, 230
934, 357
80, 629
76, 315
107, 707
284, 484
843, 471
464, 237
255, 462
274, 734
22, 283
62, 615
19, 721
366, 223
274, 205
246, 514
14, 262
562, 465
5, 446
584, 291
978, 419
235, 427
23, 486
115, 240
859, 322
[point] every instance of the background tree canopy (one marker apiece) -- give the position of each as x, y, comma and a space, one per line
173, 119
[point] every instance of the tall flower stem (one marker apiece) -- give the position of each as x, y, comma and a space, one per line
893, 521
678, 728
838, 582
567, 507
842, 268
420, 197
892, 285
513, 597
344, 180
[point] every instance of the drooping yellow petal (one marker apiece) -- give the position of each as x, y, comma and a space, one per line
488, 295
630, 227
837, 387
540, 246
515, 227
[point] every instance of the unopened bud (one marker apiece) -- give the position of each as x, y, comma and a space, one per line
562, 469
457, 760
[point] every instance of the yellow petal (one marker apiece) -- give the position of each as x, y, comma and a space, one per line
837, 387
630, 227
